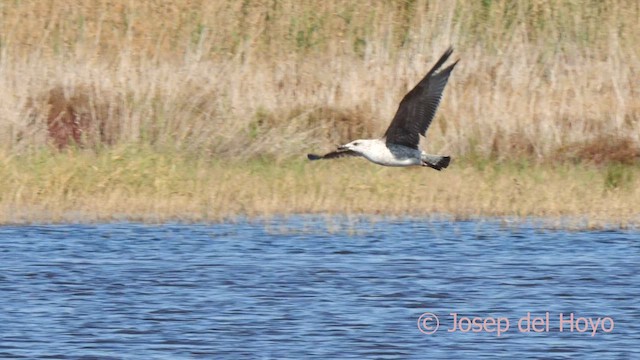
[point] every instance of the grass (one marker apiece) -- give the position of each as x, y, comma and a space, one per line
199, 95
134, 183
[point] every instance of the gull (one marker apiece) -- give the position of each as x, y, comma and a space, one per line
399, 145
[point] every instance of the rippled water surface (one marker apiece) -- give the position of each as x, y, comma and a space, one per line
293, 289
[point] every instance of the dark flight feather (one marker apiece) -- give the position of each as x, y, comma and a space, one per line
333, 155
418, 107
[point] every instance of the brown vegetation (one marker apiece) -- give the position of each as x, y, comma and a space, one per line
81, 117
226, 78
543, 88
602, 150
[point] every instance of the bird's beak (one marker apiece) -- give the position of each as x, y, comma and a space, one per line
343, 147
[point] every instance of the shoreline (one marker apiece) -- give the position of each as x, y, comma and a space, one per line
338, 222
146, 186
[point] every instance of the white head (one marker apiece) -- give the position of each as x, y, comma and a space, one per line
360, 146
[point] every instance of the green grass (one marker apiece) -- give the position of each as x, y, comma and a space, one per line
143, 184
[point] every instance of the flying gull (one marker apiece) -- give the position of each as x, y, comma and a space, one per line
399, 145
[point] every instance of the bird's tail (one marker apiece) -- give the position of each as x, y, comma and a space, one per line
437, 162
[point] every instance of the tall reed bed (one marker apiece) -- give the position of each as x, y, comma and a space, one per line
545, 80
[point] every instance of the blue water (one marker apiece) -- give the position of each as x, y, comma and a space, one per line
308, 288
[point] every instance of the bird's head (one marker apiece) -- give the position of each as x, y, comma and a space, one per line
358, 146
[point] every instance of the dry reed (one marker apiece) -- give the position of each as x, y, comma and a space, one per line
535, 76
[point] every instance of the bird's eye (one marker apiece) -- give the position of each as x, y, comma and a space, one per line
356, 144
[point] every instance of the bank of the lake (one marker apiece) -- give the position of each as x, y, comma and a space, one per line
145, 185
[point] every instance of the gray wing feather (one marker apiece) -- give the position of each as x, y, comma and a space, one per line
419, 106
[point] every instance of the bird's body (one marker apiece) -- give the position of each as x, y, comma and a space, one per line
399, 145
379, 152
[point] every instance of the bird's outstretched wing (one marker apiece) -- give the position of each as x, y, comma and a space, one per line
333, 155
418, 107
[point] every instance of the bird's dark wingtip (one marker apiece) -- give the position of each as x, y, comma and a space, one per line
313, 157
441, 62
449, 51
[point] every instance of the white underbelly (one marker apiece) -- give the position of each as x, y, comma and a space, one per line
388, 159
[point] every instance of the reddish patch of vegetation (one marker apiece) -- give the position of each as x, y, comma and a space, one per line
602, 150
78, 117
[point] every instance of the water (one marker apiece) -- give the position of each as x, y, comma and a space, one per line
293, 289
